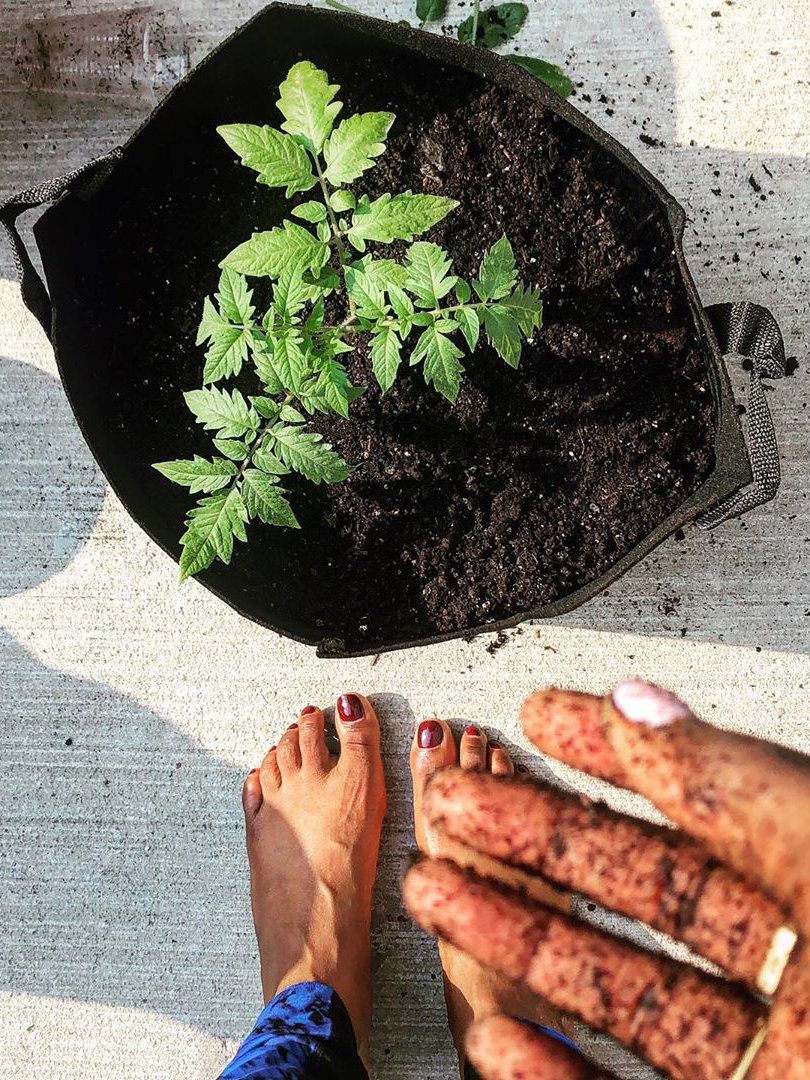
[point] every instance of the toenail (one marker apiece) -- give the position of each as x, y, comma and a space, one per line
494, 745
522, 769
307, 710
294, 724
253, 772
350, 707
472, 730
430, 734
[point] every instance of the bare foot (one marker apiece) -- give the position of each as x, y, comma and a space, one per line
471, 992
313, 835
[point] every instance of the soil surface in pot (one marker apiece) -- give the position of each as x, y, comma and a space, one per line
537, 481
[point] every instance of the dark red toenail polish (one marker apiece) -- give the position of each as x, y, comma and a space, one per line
430, 734
494, 744
472, 730
350, 707
253, 772
307, 710
293, 724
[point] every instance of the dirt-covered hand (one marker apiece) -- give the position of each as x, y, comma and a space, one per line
733, 883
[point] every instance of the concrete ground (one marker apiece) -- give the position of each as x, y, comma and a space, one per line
131, 710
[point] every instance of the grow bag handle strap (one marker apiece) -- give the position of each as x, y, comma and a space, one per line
749, 331
83, 182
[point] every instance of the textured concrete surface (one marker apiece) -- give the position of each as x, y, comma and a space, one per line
131, 710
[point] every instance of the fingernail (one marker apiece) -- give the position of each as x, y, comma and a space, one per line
307, 710
430, 734
472, 730
350, 707
644, 703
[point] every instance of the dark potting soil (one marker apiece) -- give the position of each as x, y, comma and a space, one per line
536, 481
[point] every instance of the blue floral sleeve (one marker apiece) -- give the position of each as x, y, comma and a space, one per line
304, 1033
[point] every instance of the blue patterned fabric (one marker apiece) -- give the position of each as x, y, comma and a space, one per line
304, 1033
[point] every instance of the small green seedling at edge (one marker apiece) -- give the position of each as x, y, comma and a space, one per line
416, 310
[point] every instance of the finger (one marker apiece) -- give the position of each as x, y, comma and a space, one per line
785, 1054
505, 1049
500, 760
648, 873
685, 1023
743, 798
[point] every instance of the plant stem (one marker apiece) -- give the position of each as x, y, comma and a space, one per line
351, 325
333, 224
476, 15
265, 427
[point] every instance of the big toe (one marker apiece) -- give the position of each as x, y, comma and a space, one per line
433, 748
357, 725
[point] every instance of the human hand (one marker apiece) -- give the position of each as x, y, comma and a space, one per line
733, 884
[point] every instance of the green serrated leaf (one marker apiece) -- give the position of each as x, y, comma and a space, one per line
423, 318
353, 145
383, 272
279, 159
267, 461
386, 356
397, 217
223, 411
326, 280
289, 361
428, 273
342, 200
226, 354
333, 386
268, 254
291, 415
503, 333
265, 500
496, 25
367, 295
234, 297
463, 291
497, 275
312, 211
307, 104
199, 474
430, 10
314, 320
211, 321
211, 528
265, 369
550, 74
526, 307
441, 361
306, 452
470, 322
291, 293
265, 407
403, 307
324, 231
235, 449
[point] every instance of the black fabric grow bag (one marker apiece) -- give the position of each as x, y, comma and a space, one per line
105, 377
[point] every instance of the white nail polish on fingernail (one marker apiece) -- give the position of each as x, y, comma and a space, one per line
644, 703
